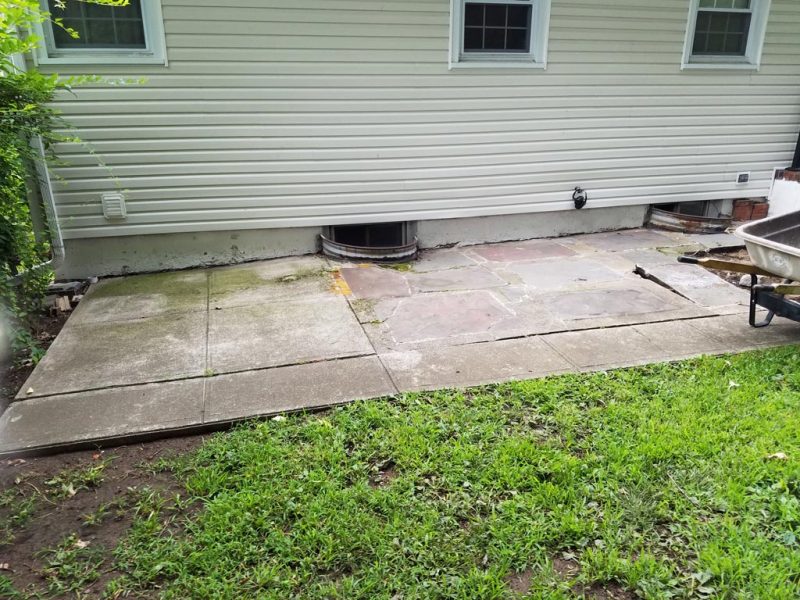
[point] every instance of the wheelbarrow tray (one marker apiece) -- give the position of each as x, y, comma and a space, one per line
774, 244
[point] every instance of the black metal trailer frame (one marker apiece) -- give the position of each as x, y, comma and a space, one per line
772, 297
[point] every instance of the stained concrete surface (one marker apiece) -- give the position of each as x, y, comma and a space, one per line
173, 352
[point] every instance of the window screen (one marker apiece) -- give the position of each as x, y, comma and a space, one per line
99, 26
722, 28
497, 27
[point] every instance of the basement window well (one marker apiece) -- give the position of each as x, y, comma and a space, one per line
381, 242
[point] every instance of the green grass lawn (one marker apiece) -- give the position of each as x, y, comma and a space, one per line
670, 481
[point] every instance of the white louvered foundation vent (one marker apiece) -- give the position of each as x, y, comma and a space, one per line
114, 206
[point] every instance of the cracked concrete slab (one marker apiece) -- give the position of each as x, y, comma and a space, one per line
698, 284
117, 413
604, 347
118, 353
680, 339
281, 333
293, 388
473, 364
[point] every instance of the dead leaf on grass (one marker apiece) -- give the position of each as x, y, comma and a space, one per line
777, 456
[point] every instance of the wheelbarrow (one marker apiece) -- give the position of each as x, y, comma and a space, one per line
774, 248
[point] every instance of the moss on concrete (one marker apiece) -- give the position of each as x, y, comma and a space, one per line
180, 289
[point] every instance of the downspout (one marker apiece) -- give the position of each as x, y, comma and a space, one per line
50, 210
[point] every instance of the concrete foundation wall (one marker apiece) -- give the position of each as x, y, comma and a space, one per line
143, 253
535, 225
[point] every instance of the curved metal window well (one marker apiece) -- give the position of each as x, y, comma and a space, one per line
380, 242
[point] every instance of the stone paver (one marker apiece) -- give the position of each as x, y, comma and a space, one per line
192, 350
468, 278
517, 251
371, 282
561, 274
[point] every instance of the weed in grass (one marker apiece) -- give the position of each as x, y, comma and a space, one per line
19, 510
7, 589
71, 566
68, 483
653, 482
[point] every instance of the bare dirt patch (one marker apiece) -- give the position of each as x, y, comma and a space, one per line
97, 514
566, 569
520, 583
13, 375
607, 591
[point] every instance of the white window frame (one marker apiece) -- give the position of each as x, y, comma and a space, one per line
154, 51
535, 59
755, 41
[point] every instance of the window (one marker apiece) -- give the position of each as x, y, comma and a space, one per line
106, 34
499, 33
725, 33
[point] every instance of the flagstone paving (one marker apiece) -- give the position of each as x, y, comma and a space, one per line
159, 354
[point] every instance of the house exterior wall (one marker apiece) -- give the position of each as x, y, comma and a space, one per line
303, 113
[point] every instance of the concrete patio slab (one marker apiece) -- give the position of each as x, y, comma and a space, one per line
118, 413
193, 350
473, 364
604, 347
141, 296
680, 339
298, 387
119, 353
263, 282
282, 333
735, 332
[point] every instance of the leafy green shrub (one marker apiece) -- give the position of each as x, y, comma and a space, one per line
24, 114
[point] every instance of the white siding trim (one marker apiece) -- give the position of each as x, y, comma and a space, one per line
755, 41
154, 53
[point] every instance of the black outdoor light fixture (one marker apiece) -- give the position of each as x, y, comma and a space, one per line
580, 197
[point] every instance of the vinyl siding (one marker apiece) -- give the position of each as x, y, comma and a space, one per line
283, 113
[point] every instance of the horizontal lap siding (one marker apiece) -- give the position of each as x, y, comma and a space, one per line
286, 113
